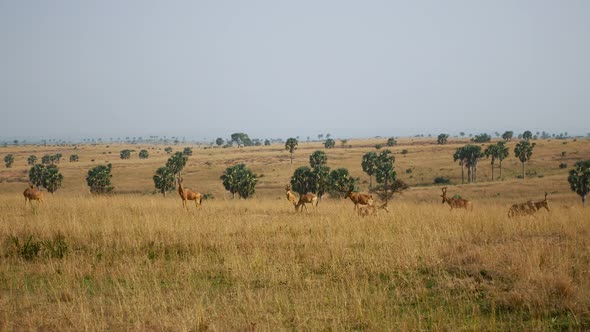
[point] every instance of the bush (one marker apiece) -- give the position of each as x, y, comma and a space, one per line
563, 165
378, 146
409, 171
405, 151
441, 180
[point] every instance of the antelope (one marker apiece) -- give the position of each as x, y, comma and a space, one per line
455, 203
358, 198
31, 194
304, 199
290, 197
521, 209
188, 195
366, 210
528, 208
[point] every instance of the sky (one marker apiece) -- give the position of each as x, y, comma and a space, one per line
272, 68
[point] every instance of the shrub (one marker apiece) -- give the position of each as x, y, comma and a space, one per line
409, 171
405, 151
563, 165
441, 180
378, 146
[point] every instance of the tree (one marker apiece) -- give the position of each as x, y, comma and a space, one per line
385, 174
472, 154
507, 136
339, 181
36, 175
8, 160
144, 154
320, 136
188, 151
57, 157
46, 160
32, 160
239, 179
462, 133
125, 154
527, 135
498, 151
74, 158
482, 138
318, 158
579, 179
468, 156
320, 181
369, 164
164, 180
329, 143
219, 141
99, 179
266, 142
241, 139
168, 150
303, 180
523, 151
391, 141
176, 163
442, 139
52, 179
459, 155
290, 146
343, 142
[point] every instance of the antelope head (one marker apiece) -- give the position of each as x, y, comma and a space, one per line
545, 203
444, 195
288, 187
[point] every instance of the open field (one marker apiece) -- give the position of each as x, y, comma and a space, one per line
137, 261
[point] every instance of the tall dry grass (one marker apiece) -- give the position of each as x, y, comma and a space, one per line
144, 263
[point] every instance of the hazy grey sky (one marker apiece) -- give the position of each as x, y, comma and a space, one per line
284, 68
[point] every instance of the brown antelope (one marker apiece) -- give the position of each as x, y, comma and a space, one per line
455, 203
528, 208
31, 194
188, 195
358, 198
304, 199
290, 196
522, 209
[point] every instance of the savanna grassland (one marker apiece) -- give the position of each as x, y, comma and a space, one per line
137, 261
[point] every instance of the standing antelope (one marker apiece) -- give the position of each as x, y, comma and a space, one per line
455, 203
304, 199
188, 195
528, 208
31, 194
358, 198
290, 197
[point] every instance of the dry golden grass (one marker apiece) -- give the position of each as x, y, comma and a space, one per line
138, 261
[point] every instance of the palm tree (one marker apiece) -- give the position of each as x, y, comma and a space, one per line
497, 151
369, 163
524, 151
291, 146
318, 158
460, 156
52, 179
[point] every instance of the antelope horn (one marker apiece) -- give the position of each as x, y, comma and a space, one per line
545, 195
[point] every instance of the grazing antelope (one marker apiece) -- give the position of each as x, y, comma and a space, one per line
528, 208
358, 198
188, 195
304, 199
31, 194
290, 196
455, 203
